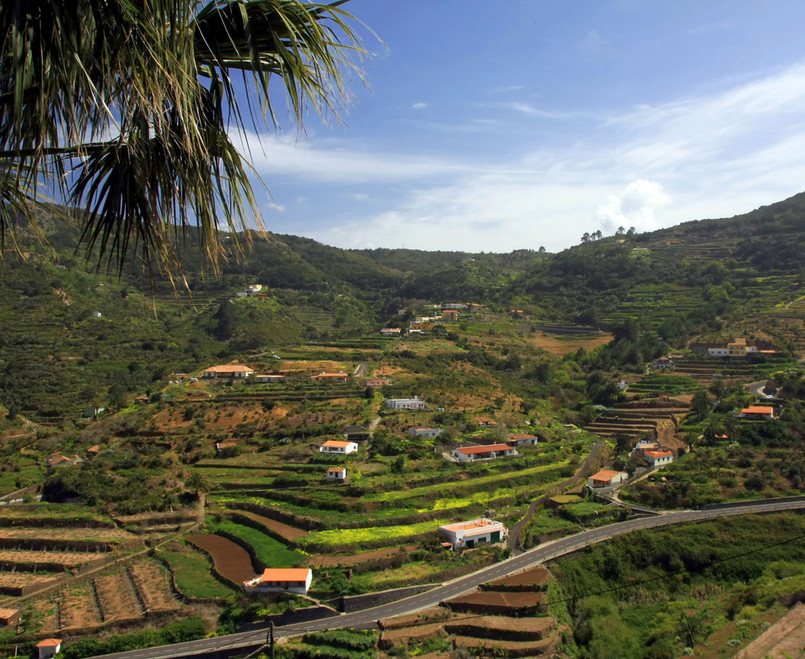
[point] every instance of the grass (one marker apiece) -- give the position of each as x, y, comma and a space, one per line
386, 535
426, 490
269, 552
193, 574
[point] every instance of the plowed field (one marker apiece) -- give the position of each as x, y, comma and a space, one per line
152, 583
78, 609
284, 531
231, 560
117, 598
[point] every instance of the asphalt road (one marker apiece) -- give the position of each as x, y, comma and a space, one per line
528, 559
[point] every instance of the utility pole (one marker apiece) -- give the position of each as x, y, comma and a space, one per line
271, 639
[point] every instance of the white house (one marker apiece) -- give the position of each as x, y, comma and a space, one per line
280, 580
427, 433
404, 403
521, 439
488, 452
607, 478
758, 412
658, 458
338, 447
270, 378
466, 535
234, 371
49, 647
337, 473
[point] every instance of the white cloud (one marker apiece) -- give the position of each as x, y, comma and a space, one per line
635, 207
715, 154
419, 106
282, 157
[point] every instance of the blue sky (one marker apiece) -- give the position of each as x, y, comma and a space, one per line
494, 125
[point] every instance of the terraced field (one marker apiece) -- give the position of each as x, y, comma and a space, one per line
490, 622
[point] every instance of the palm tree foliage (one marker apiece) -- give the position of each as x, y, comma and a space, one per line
127, 108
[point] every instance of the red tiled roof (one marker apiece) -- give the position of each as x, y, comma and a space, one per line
336, 444
471, 450
658, 454
49, 643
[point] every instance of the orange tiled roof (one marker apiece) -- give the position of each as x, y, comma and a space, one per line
336, 443
605, 475
658, 454
758, 409
49, 643
286, 574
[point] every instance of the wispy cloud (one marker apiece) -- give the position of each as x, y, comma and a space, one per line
419, 106
708, 155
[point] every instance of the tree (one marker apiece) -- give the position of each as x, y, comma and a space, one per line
125, 109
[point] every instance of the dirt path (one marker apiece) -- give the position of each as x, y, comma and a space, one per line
516, 531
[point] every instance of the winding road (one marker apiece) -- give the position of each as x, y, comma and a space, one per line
530, 558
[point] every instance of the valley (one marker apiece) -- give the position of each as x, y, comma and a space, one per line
162, 447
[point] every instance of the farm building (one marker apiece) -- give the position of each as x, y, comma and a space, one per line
758, 412
466, 535
270, 378
607, 478
280, 580
49, 647
234, 371
405, 403
427, 433
658, 458
340, 377
61, 460
376, 382
521, 439
485, 422
9, 617
337, 473
340, 448
390, 331
489, 452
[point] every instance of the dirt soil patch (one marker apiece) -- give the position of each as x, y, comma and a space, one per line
284, 531
116, 598
15, 579
57, 557
356, 559
785, 639
89, 535
563, 346
494, 602
533, 579
230, 559
78, 609
151, 581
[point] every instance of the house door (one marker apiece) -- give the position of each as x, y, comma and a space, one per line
495, 536
470, 544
